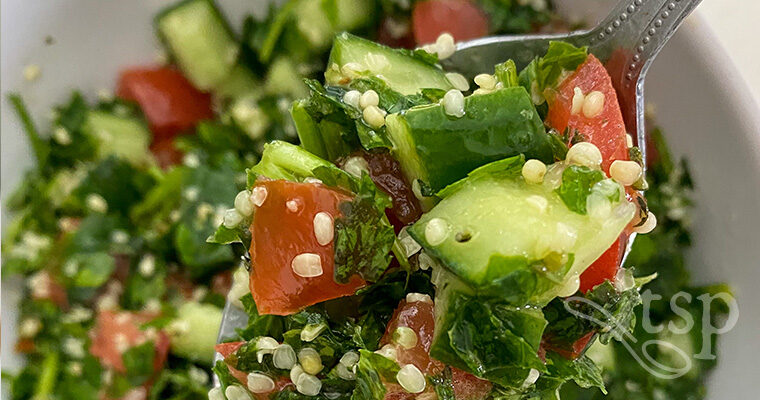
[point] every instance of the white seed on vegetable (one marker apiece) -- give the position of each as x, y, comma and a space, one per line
404, 337
96, 203
445, 46
258, 195
352, 98
648, 225
436, 231
307, 265
533, 171
236, 392
417, 189
61, 136
232, 218
356, 166
533, 376
578, 99
344, 373
243, 203
411, 379
147, 265
628, 140
75, 368
374, 116
584, 154
485, 81
453, 103
458, 81
625, 172
239, 287
295, 372
376, 61
388, 351
259, 383
293, 205
312, 180
369, 98
121, 342
415, 297
478, 92
216, 394
310, 360
593, 104
29, 327
284, 357
538, 201
349, 359
267, 343
312, 331
191, 160
308, 385
323, 228
351, 70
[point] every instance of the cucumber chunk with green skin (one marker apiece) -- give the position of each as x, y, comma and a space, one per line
197, 326
402, 71
439, 149
200, 40
124, 137
505, 237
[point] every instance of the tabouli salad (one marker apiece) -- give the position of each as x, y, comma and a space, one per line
417, 243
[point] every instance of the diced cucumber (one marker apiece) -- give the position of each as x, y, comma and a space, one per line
439, 149
200, 40
282, 160
239, 83
124, 137
283, 78
509, 238
308, 131
402, 72
311, 19
197, 327
352, 14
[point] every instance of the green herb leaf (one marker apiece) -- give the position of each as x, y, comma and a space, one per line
577, 182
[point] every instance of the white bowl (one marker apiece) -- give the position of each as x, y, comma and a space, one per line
703, 106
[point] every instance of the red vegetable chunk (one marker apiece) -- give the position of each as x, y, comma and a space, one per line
116, 332
169, 101
461, 18
283, 229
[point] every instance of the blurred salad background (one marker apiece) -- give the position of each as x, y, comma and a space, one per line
108, 230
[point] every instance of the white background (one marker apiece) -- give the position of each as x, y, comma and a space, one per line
736, 25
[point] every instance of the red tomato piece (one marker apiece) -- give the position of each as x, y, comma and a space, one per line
570, 351
606, 130
419, 317
166, 97
280, 234
461, 18
116, 332
165, 153
394, 32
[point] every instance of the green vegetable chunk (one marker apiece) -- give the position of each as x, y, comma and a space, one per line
439, 149
513, 239
197, 342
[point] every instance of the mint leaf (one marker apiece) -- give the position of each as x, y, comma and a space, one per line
363, 236
559, 57
576, 186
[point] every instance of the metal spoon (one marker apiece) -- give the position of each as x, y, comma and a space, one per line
634, 32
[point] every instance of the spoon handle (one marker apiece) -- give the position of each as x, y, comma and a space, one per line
628, 40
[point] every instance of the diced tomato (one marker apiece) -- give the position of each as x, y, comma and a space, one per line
165, 153
461, 18
606, 130
280, 234
386, 172
571, 351
226, 349
606, 266
419, 317
168, 99
115, 329
25, 346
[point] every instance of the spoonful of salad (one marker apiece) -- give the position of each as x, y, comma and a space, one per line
527, 190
